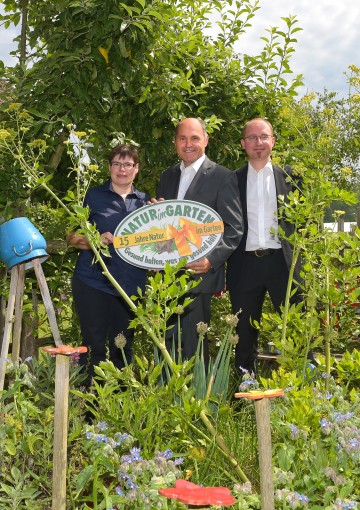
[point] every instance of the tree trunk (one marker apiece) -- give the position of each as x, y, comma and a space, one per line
56, 157
24, 21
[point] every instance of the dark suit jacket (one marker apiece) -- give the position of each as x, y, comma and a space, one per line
282, 188
214, 186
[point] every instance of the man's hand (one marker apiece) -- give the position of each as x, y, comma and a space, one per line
154, 201
201, 266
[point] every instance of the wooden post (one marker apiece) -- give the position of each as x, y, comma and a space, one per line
358, 216
61, 421
60, 432
341, 224
262, 413
3, 277
44, 289
28, 343
19, 300
8, 324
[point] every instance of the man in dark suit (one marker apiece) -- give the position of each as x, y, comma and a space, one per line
261, 262
199, 179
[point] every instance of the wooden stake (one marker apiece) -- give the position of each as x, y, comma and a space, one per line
19, 300
262, 414
44, 289
60, 432
8, 324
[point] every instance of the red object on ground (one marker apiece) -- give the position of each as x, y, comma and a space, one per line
192, 494
66, 350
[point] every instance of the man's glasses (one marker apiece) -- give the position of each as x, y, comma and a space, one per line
127, 165
254, 138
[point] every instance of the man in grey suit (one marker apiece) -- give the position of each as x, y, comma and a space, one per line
261, 262
199, 179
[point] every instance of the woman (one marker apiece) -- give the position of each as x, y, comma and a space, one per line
102, 312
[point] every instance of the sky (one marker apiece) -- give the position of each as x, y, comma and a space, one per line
328, 44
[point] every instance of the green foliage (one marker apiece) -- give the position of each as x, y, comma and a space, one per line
130, 405
162, 299
26, 434
138, 67
330, 262
119, 474
316, 434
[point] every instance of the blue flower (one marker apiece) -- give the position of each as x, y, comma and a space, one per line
246, 384
129, 482
119, 492
294, 431
120, 438
135, 454
345, 504
326, 425
167, 454
289, 388
301, 497
101, 438
343, 417
102, 425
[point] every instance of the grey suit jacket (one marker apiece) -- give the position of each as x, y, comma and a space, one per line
282, 188
216, 187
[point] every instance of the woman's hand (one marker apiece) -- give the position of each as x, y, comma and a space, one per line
106, 238
78, 241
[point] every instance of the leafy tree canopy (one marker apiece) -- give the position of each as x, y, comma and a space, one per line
137, 67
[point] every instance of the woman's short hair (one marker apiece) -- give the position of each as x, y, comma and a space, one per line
122, 150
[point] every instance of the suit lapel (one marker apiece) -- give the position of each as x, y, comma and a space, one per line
242, 182
280, 183
173, 183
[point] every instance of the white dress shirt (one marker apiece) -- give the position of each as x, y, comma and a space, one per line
261, 209
187, 175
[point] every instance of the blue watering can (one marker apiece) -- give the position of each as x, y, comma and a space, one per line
21, 242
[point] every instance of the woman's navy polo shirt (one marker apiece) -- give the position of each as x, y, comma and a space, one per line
107, 209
